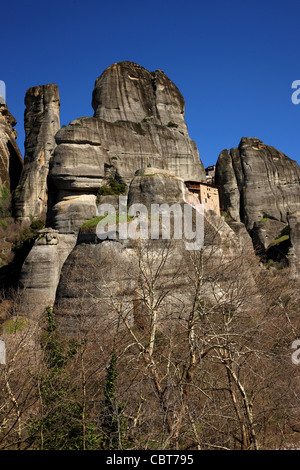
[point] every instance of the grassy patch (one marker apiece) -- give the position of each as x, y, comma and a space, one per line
107, 220
92, 223
266, 217
279, 240
14, 324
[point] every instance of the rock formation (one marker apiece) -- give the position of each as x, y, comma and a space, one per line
41, 270
259, 186
138, 122
128, 92
99, 269
156, 186
137, 139
41, 124
11, 162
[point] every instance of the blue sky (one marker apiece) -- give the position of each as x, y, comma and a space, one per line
233, 61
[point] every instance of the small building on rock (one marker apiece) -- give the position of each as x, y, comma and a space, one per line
207, 193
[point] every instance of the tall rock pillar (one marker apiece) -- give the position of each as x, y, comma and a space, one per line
11, 162
41, 122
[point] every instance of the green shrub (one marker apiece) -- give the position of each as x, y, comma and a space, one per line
146, 118
105, 191
172, 124
3, 224
285, 231
13, 325
5, 194
266, 217
5, 202
37, 224
113, 188
57, 423
226, 215
27, 236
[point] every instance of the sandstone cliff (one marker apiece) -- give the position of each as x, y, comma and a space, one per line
41, 124
259, 186
138, 138
99, 270
138, 122
11, 162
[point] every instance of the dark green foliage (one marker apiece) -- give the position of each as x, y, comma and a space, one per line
59, 422
5, 203
110, 387
172, 124
226, 215
105, 191
37, 224
28, 235
285, 231
278, 250
146, 119
114, 424
266, 217
113, 188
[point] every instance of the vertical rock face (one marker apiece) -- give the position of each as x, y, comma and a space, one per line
128, 92
41, 270
259, 185
138, 122
11, 162
41, 124
96, 268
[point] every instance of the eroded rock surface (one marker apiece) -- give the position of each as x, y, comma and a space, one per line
155, 186
138, 122
11, 162
40, 272
103, 280
259, 186
128, 92
73, 210
41, 124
